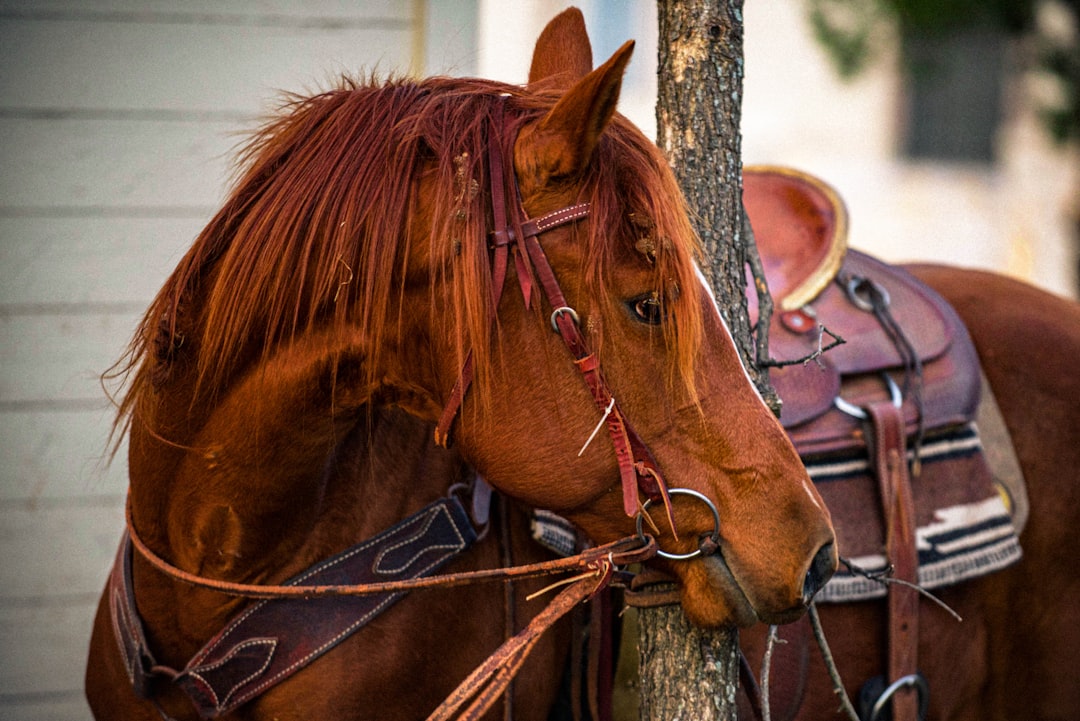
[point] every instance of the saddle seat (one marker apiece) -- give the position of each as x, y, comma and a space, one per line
800, 225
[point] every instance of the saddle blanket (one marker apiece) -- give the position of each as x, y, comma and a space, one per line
963, 527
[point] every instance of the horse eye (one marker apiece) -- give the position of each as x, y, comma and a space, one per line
647, 309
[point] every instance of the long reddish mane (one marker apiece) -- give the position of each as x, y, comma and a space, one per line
316, 232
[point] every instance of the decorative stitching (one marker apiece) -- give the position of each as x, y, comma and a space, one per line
200, 670
255, 691
216, 643
376, 566
565, 215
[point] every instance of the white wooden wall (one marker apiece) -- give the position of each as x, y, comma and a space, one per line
117, 121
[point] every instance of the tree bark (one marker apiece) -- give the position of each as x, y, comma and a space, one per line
699, 102
687, 673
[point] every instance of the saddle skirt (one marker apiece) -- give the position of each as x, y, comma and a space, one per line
903, 343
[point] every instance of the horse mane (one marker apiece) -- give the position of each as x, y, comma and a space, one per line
315, 232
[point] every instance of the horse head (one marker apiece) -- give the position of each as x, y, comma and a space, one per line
628, 272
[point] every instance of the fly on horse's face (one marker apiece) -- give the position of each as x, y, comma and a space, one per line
628, 271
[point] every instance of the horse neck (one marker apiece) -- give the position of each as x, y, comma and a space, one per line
290, 464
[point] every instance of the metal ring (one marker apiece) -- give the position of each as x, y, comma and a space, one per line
912, 679
857, 300
854, 410
715, 535
559, 311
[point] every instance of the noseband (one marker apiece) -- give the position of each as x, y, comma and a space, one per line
515, 233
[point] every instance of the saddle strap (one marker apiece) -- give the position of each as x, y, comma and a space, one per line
890, 460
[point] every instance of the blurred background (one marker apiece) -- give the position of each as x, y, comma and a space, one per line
118, 119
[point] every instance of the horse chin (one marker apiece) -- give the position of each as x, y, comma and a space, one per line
711, 597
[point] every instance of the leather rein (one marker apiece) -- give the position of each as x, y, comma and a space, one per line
596, 568
598, 561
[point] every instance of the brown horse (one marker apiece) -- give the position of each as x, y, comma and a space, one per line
1012, 655
285, 382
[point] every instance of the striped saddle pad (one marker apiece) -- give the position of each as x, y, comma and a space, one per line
963, 527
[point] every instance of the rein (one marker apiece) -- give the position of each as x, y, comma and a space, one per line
480, 690
515, 232
599, 561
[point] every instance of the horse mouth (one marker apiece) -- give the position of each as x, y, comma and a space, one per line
712, 596
711, 580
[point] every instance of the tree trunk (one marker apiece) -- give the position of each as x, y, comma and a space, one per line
686, 673
698, 109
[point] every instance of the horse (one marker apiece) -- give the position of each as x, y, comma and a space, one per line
1011, 654
334, 361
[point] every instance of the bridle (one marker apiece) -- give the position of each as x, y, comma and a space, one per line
516, 234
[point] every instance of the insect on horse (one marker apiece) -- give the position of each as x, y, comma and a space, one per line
390, 268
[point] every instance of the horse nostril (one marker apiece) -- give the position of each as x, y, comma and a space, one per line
821, 570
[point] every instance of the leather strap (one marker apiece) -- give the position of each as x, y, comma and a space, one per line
127, 625
631, 549
485, 684
490, 680
253, 652
508, 230
1000, 453
600, 666
273, 638
638, 469
891, 465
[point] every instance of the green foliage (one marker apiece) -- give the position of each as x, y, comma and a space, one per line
1060, 57
845, 29
944, 16
849, 30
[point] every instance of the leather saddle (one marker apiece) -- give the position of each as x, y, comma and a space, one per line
913, 353
887, 422
800, 226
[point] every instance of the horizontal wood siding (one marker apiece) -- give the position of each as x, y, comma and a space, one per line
118, 121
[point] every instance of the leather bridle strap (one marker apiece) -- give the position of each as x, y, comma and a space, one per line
638, 469
491, 679
502, 237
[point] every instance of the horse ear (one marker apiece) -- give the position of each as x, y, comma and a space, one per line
563, 54
561, 144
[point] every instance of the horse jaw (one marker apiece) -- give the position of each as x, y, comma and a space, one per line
714, 594
708, 581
